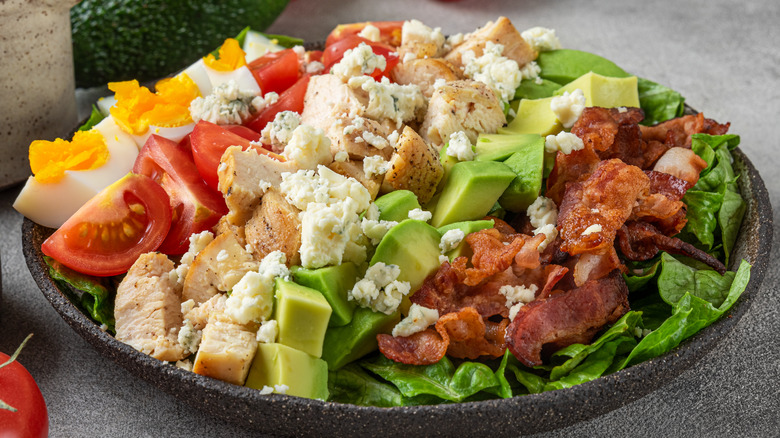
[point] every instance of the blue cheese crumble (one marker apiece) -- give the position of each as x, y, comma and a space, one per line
460, 146
543, 215
380, 290
418, 319
568, 107
227, 105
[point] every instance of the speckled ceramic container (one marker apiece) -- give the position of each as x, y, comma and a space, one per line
291, 416
36, 80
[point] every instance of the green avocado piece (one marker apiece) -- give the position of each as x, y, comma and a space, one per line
528, 165
565, 65
529, 89
396, 205
499, 147
302, 314
467, 227
447, 162
358, 338
605, 91
151, 39
534, 116
278, 364
471, 190
414, 247
333, 282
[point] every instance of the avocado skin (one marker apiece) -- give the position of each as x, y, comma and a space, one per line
117, 40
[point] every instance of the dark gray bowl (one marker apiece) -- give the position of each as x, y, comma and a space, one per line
285, 415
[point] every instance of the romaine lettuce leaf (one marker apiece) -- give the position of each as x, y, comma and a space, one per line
95, 117
659, 103
89, 293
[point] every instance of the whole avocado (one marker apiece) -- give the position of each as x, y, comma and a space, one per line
117, 40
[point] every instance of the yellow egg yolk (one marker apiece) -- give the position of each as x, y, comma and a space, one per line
137, 107
50, 159
231, 57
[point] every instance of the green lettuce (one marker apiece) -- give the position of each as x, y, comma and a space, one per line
95, 117
92, 294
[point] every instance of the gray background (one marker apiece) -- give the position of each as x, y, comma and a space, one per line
722, 55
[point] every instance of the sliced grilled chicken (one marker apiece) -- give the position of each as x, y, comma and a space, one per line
501, 31
424, 73
275, 226
414, 166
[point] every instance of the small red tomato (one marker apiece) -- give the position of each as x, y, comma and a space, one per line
24, 413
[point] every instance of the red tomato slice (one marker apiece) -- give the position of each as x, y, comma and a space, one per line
195, 207
290, 100
243, 131
106, 235
389, 31
276, 74
19, 390
209, 142
335, 52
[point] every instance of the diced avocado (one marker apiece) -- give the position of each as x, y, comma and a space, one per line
528, 165
565, 65
534, 116
358, 338
396, 205
604, 91
499, 147
471, 190
413, 246
467, 227
530, 89
333, 282
277, 364
447, 162
302, 314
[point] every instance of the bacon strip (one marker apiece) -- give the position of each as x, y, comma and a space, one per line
677, 132
566, 318
422, 348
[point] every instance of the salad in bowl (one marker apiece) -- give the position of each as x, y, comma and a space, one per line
401, 218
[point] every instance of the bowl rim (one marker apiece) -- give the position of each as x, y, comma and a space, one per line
502, 417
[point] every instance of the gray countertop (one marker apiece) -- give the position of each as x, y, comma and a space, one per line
722, 55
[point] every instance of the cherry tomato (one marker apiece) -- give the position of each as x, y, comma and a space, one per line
389, 31
335, 52
19, 390
278, 72
209, 142
290, 100
243, 131
195, 207
106, 235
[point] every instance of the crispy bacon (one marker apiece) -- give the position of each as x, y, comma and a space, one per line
642, 241
446, 292
663, 207
493, 250
570, 168
592, 266
423, 348
565, 318
677, 132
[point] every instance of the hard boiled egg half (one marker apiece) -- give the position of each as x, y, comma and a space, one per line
230, 66
68, 174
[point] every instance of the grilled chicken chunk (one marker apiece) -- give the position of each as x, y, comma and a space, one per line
326, 97
199, 315
148, 308
503, 32
275, 226
424, 73
226, 350
414, 166
358, 136
467, 106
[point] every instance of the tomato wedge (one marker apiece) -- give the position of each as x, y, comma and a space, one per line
276, 73
209, 142
335, 52
290, 100
389, 31
243, 131
106, 235
195, 207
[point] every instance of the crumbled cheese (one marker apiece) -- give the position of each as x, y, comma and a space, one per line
595, 228
314, 67
419, 214
543, 215
517, 296
281, 389
418, 319
453, 40
266, 390
375, 230
222, 256
264, 186
451, 239
252, 297
622, 109
565, 142
374, 140
372, 212
531, 70
541, 39
103, 327
415, 32
358, 61
268, 332
227, 105
409, 56
386, 100
187, 306
371, 33
189, 338
392, 139
280, 130
498, 72
341, 156
308, 147
443, 258
197, 243
375, 165
568, 107
185, 364
438, 83
380, 290
300, 51
460, 146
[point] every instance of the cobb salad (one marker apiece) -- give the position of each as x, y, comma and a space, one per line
401, 218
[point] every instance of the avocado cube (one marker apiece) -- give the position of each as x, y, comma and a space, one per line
447, 162
499, 147
278, 364
603, 91
333, 282
528, 165
358, 338
413, 246
302, 314
468, 227
396, 205
471, 191
534, 116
